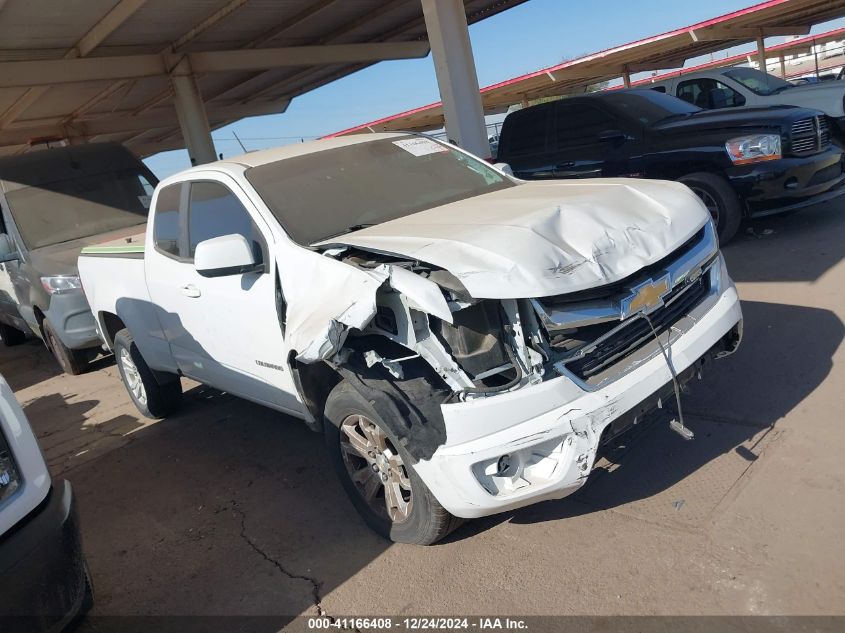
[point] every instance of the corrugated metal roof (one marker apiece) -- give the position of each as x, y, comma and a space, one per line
798, 46
138, 111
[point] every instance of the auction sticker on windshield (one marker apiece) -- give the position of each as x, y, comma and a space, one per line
420, 146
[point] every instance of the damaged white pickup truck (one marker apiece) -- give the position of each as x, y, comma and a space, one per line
465, 340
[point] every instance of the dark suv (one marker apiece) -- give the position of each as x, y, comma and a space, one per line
741, 163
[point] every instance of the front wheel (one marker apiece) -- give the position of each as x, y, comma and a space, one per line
376, 472
72, 361
721, 201
153, 398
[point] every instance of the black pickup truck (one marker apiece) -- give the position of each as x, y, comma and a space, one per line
741, 163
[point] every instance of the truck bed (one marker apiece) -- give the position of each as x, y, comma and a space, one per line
131, 246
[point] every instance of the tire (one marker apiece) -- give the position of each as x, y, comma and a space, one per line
72, 361
85, 605
720, 199
88, 596
418, 518
11, 336
153, 398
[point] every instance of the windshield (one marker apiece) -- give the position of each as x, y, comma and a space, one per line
756, 81
87, 205
328, 193
648, 106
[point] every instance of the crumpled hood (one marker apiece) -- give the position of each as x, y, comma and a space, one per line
543, 239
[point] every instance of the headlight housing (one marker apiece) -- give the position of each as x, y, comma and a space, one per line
754, 148
60, 284
10, 479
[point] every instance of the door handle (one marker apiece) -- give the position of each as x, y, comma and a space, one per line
190, 291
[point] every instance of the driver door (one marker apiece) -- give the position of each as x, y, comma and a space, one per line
223, 331
589, 142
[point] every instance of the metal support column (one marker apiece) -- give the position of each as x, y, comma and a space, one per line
192, 117
761, 53
448, 35
782, 68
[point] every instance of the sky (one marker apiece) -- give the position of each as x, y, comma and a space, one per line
533, 35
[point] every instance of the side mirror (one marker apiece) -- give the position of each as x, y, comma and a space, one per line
504, 167
225, 255
8, 252
612, 135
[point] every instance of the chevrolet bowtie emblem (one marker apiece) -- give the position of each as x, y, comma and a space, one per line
646, 297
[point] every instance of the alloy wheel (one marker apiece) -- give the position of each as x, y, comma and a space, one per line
376, 468
133, 377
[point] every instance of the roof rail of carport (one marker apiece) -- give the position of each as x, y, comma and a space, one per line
802, 45
658, 52
108, 70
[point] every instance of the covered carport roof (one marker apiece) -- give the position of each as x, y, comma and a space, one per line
87, 70
801, 46
659, 52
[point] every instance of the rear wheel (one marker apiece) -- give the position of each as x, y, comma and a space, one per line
11, 336
72, 361
376, 472
721, 201
153, 398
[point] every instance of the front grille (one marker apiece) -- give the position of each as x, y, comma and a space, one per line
804, 145
809, 136
803, 126
824, 129
636, 332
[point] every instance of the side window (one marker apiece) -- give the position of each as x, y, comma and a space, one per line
695, 92
580, 125
709, 94
166, 220
527, 133
146, 185
215, 211
659, 89
722, 96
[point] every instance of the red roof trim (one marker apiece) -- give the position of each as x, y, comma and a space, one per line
727, 61
648, 40
386, 119
551, 69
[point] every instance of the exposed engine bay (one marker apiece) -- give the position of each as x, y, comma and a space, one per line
481, 347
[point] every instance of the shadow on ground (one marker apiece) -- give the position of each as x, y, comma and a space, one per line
239, 509
30, 364
800, 246
237, 505
27, 364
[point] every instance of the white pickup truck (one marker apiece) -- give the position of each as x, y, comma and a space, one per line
44, 580
465, 340
740, 86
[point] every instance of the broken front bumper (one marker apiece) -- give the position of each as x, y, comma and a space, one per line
539, 442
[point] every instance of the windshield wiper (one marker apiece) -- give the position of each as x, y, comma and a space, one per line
672, 116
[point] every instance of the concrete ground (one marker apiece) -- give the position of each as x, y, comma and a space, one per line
228, 508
